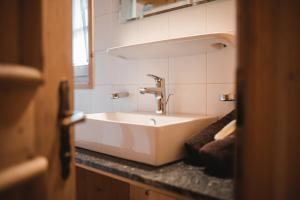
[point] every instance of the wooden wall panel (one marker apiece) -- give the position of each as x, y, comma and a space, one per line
269, 96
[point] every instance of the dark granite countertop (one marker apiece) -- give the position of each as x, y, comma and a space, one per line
176, 177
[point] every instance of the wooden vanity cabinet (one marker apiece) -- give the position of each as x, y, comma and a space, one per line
140, 193
93, 184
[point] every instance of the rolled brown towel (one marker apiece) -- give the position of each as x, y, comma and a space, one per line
197, 141
218, 156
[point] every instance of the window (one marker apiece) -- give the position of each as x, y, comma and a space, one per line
83, 50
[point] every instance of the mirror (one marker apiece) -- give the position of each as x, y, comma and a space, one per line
135, 9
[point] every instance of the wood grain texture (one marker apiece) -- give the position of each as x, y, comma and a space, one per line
91, 37
9, 32
92, 186
57, 65
17, 124
140, 193
20, 32
35, 34
269, 96
23, 172
137, 190
19, 74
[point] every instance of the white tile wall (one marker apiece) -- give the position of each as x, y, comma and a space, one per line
188, 69
124, 34
190, 98
154, 28
103, 30
129, 104
123, 71
221, 16
103, 70
196, 81
214, 106
82, 100
100, 99
221, 66
188, 21
158, 67
102, 7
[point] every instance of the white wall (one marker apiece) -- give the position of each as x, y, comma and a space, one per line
196, 81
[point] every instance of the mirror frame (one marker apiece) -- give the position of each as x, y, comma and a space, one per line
124, 18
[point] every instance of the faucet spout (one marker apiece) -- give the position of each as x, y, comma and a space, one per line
159, 92
153, 90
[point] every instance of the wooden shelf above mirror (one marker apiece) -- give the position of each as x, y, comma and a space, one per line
183, 46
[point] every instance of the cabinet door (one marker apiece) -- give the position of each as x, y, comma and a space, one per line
159, 196
139, 193
93, 186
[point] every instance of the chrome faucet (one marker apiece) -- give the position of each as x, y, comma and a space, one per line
159, 92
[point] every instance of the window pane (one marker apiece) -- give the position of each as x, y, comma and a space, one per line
80, 13
80, 49
80, 55
80, 33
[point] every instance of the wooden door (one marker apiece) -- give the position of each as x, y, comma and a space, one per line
35, 55
268, 100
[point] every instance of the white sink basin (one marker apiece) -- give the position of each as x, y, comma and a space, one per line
151, 139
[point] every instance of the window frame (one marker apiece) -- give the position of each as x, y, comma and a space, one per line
91, 66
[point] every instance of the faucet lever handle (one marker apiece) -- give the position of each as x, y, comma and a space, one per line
156, 78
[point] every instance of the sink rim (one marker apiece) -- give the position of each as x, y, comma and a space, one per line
182, 118
140, 141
